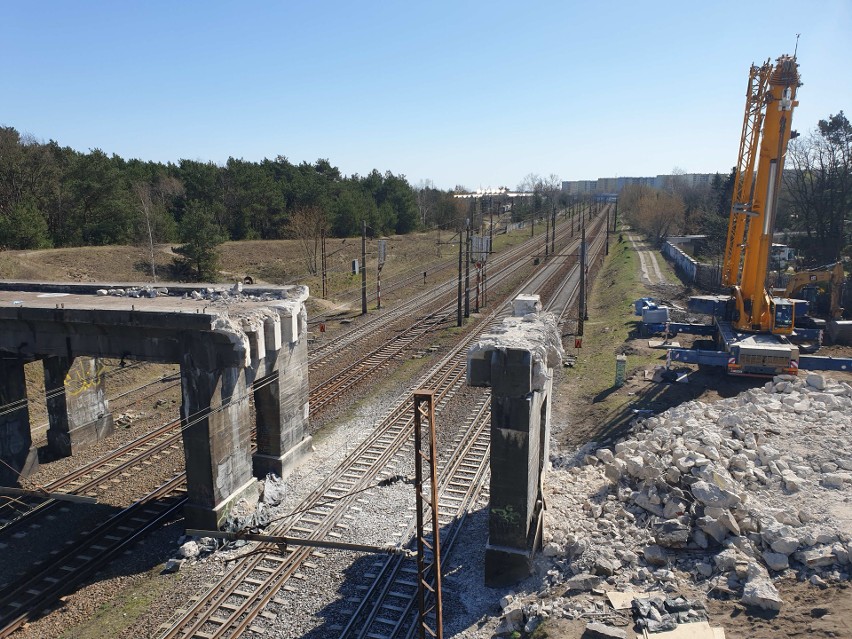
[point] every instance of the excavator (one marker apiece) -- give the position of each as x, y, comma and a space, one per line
754, 330
822, 288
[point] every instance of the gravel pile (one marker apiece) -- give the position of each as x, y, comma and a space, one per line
727, 496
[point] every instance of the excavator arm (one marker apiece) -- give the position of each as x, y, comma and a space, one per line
831, 277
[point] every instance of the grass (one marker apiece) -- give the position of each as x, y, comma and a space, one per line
120, 613
610, 319
611, 324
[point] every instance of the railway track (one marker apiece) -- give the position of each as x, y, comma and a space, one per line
374, 461
231, 606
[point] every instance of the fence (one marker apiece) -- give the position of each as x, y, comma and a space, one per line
705, 276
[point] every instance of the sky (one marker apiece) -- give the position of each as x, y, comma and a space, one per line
460, 93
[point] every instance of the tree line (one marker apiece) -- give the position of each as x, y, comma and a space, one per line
55, 196
815, 206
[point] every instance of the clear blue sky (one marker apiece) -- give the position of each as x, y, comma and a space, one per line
472, 93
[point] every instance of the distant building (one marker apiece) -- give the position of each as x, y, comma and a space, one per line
616, 184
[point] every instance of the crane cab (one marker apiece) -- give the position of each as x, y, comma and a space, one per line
783, 314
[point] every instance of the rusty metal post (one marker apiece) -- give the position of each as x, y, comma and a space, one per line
428, 572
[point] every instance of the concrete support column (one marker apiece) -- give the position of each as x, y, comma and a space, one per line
76, 401
517, 362
281, 398
216, 435
18, 457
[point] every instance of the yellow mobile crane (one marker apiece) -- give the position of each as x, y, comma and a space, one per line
753, 328
770, 101
769, 108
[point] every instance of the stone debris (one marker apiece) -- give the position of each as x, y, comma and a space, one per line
723, 496
595, 630
660, 614
135, 291
218, 294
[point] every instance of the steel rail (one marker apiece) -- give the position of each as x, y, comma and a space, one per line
229, 619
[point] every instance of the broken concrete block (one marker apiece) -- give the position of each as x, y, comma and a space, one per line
583, 582
816, 557
189, 550
596, 630
605, 455
615, 470
834, 480
712, 495
671, 534
762, 594
815, 380
606, 567
785, 545
655, 555
514, 612
525, 304
727, 559
776, 561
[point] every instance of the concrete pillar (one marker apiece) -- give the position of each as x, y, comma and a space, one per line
216, 435
78, 410
18, 457
517, 362
281, 398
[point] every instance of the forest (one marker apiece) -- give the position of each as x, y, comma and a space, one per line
55, 196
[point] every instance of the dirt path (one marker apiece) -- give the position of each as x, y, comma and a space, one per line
650, 268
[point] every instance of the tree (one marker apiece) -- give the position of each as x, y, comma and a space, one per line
158, 225
656, 213
819, 188
307, 224
201, 235
23, 227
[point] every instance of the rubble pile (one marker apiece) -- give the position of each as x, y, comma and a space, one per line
248, 514
134, 291
723, 496
219, 294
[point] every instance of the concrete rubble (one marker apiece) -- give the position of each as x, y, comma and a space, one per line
729, 496
225, 294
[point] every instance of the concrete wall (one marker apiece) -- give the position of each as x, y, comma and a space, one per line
225, 347
517, 361
704, 275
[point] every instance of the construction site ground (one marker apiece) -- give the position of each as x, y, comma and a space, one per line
587, 407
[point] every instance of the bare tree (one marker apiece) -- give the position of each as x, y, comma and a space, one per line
818, 187
307, 224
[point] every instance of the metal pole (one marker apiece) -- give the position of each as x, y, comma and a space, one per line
298, 541
467, 272
491, 227
459, 304
606, 249
324, 269
478, 280
427, 582
547, 239
379, 288
615, 217
364, 267
553, 235
484, 288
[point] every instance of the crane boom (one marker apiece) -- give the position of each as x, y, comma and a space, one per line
766, 132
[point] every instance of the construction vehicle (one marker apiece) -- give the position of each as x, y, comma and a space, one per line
822, 288
754, 330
